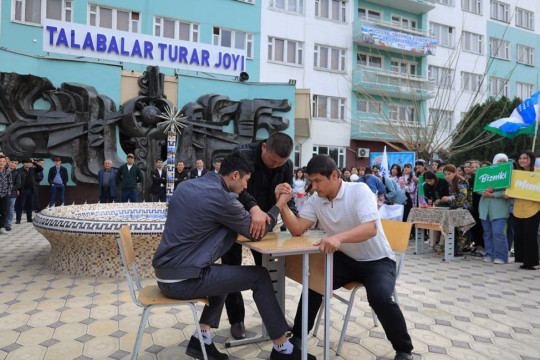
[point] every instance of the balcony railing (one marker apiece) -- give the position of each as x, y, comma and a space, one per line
393, 84
393, 37
413, 6
367, 127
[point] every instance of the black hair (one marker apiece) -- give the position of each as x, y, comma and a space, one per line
2, 157
531, 157
398, 167
26, 161
281, 144
368, 171
236, 161
159, 160
179, 161
321, 164
430, 175
376, 166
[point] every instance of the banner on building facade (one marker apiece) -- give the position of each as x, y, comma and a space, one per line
525, 185
398, 40
96, 42
400, 158
497, 176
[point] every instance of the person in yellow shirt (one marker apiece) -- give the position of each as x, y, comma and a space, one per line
527, 214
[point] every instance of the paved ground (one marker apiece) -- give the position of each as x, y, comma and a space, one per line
460, 310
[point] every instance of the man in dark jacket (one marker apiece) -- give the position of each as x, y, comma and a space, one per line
180, 174
128, 176
199, 170
15, 190
6, 183
107, 183
159, 182
272, 167
204, 220
26, 197
58, 178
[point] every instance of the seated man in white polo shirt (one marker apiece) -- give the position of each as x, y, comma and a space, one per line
349, 215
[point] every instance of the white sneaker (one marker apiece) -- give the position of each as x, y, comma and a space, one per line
488, 259
499, 261
3, 231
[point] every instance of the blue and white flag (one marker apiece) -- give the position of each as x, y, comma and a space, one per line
384, 165
522, 120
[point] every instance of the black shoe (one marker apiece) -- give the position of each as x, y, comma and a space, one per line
29, 220
400, 355
238, 331
8, 228
194, 350
17, 221
295, 355
296, 341
527, 267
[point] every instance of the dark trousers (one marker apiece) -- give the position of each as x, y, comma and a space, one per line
510, 230
4, 209
379, 279
217, 280
160, 197
235, 302
106, 196
130, 195
477, 232
37, 206
26, 203
525, 243
60, 189
407, 208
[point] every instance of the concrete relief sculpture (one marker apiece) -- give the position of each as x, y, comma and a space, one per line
81, 125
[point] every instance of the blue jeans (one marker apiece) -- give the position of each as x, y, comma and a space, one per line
495, 239
129, 194
54, 189
11, 211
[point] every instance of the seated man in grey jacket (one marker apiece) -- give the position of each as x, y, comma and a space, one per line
203, 222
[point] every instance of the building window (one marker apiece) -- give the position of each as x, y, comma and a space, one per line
403, 67
498, 87
525, 55
234, 39
369, 60
404, 22
402, 114
330, 108
524, 90
336, 153
473, 42
525, 19
444, 34
500, 11
61, 10
474, 6
176, 29
297, 155
294, 6
470, 82
285, 51
368, 106
500, 49
445, 2
442, 118
111, 18
368, 14
28, 11
441, 76
329, 58
335, 10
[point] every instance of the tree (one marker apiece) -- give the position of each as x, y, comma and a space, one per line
487, 112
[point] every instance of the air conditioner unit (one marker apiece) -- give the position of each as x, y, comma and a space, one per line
362, 152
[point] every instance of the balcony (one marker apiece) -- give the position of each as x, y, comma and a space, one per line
390, 36
412, 6
392, 84
373, 127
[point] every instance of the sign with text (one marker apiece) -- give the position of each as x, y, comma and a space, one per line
398, 40
96, 42
498, 176
400, 158
525, 185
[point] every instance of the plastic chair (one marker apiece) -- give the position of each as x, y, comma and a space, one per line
397, 233
149, 296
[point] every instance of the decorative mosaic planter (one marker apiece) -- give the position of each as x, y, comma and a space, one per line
83, 237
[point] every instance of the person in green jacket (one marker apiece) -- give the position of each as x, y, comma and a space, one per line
494, 210
127, 177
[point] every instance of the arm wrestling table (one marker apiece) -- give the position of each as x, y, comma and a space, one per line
273, 247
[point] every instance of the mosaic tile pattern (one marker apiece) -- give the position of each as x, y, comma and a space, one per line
454, 310
83, 237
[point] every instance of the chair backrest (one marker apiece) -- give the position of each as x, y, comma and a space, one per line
125, 244
397, 233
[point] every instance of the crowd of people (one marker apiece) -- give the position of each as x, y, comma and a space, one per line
503, 226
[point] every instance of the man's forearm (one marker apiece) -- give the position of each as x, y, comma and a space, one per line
359, 233
291, 221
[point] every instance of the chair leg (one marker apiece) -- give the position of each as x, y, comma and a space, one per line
346, 321
138, 339
199, 332
319, 318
